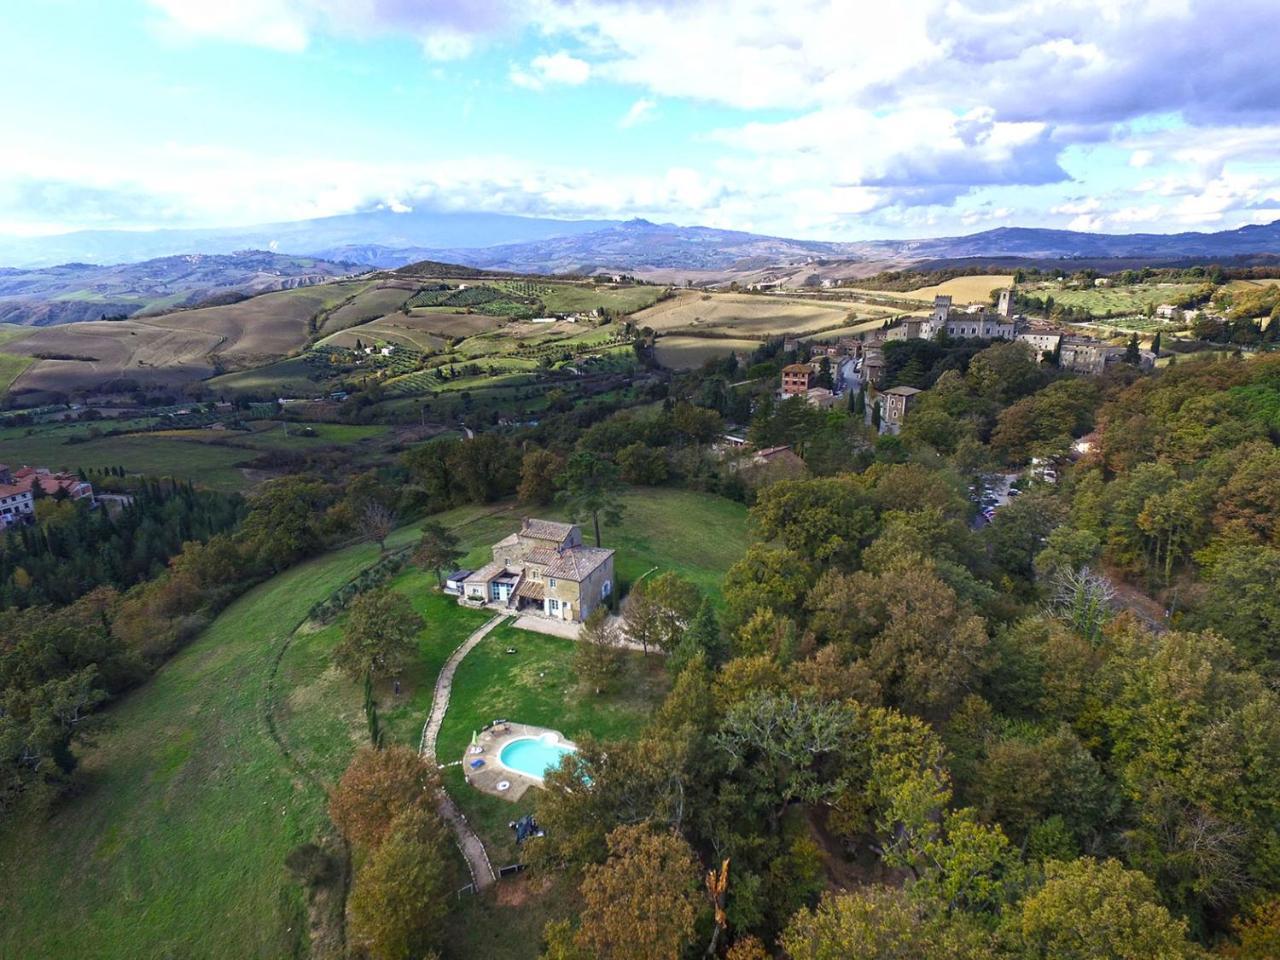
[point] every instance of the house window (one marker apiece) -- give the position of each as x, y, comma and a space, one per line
553, 605
606, 588
551, 582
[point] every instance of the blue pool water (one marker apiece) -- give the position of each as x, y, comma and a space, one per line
534, 755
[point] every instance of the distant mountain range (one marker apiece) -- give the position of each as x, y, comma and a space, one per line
383, 239
328, 238
81, 291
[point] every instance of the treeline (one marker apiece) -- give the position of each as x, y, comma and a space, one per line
902, 730
60, 664
1183, 496
73, 548
863, 701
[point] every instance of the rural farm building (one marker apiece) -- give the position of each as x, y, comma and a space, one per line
544, 568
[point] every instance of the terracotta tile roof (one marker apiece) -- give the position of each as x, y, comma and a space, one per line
531, 590
578, 563
543, 556
546, 530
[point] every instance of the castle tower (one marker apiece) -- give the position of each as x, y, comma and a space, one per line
1006, 303
941, 309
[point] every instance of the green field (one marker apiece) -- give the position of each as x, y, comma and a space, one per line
279, 435
365, 306
207, 457
11, 366
584, 297
288, 377
203, 463
535, 685
697, 535
322, 717
176, 845
189, 806
1118, 301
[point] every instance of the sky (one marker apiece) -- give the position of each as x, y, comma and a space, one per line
820, 120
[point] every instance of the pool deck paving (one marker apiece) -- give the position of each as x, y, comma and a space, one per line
493, 776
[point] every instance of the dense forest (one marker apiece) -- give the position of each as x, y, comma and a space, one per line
75, 548
897, 732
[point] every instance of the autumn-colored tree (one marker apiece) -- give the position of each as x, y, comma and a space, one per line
747, 948
828, 519
766, 577
559, 943
1088, 910
641, 618
378, 786
539, 471
401, 896
1257, 933
926, 645
642, 903
437, 549
376, 521
379, 636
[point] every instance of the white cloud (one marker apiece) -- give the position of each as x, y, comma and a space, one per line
895, 111
267, 23
550, 69
639, 112
1079, 207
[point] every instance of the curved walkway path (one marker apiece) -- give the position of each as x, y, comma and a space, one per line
472, 848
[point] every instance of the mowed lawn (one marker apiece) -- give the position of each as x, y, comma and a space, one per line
537, 684
320, 711
698, 535
175, 846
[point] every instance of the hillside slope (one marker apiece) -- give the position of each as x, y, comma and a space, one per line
75, 292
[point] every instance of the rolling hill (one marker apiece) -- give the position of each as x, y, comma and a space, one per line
76, 292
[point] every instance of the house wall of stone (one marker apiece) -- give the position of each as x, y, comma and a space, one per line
583, 597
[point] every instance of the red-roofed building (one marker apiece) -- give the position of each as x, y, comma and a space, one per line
18, 491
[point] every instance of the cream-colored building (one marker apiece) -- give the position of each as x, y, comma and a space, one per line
544, 568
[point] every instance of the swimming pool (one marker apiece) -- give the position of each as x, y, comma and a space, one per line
534, 756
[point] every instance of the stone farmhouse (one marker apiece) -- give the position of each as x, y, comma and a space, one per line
543, 569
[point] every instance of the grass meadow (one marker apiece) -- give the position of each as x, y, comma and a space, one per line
155, 455
173, 845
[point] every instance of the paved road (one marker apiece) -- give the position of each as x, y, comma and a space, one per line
471, 846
